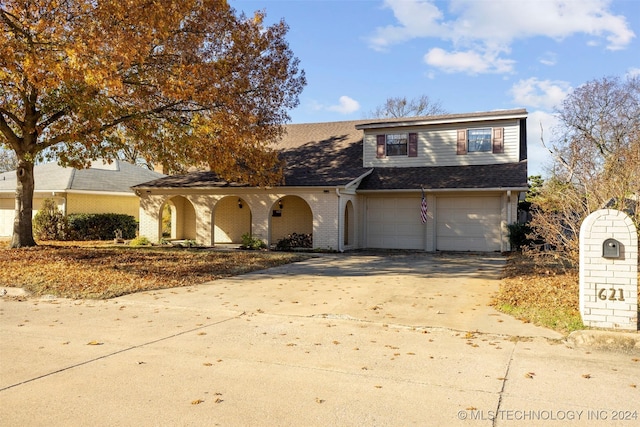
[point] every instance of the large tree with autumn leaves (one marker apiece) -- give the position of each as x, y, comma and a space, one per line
188, 82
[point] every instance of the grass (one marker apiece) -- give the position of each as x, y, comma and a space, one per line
98, 270
546, 295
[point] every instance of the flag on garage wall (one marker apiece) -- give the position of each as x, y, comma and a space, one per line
423, 208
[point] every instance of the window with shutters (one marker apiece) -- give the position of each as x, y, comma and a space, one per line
481, 140
397, 144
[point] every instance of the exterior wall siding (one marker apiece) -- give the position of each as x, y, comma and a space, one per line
7, 215
437, 146
93, 204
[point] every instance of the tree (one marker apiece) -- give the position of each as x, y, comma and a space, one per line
8, 160
401, 107
180, 83
596, 162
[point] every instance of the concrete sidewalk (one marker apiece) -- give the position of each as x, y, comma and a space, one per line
344, 340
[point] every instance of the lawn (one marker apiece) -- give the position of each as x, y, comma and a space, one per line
98, 270
546, 295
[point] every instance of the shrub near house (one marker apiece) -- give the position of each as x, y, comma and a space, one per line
51, 224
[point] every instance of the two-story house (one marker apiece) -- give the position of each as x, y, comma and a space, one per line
365, 184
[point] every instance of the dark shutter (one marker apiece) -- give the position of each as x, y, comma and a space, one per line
462, 141
498, 140
413, 145
381, 141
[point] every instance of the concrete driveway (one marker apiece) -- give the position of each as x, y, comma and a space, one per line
338, 340
414, 289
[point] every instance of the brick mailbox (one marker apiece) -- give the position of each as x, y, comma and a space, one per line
609, 271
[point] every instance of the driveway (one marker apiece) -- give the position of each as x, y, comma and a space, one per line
411, 289
337, 340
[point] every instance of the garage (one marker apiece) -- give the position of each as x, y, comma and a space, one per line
468, 224
394, 223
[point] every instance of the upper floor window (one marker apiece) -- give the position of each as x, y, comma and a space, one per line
397, 144
479, 140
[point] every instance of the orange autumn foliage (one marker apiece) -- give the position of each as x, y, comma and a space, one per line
181, 84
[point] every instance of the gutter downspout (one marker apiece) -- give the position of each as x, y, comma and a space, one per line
508, 214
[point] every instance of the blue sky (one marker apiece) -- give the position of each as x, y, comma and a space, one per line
470, 55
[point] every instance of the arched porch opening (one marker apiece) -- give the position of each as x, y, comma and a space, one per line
290, 214
349, 224
178, 219
231, 219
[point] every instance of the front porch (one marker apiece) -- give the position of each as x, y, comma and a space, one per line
221, 218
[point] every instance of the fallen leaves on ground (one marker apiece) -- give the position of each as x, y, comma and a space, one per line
100, 272
545, 295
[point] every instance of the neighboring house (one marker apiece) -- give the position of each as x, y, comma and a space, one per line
102, 188
359, 184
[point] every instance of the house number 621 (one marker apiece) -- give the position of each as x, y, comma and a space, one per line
611, 294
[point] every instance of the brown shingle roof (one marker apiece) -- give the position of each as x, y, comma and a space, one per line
322, 154
330, 154
202, 179
506, 175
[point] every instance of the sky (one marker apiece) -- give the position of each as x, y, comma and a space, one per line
469, 55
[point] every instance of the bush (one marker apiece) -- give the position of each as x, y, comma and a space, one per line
253, 243
518, 236
295, 240
101, 226
140, 241
49, 223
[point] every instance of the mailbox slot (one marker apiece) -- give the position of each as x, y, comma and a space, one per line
611, 248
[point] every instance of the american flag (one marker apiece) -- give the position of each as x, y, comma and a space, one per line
423, 208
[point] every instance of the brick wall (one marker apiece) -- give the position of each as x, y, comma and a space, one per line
609, 286
92, 204
231, 221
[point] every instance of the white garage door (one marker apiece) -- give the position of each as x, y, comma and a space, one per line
394, 223
468, 224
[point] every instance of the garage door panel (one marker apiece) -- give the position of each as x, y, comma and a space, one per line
394, 223
468, 223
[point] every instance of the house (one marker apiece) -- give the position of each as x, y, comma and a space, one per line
102, 188
359, 184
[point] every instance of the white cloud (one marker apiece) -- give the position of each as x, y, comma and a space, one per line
416, 18
469, 61
549, 59
492, 26
346, 105
545, 94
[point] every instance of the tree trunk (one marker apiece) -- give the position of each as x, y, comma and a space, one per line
22, 223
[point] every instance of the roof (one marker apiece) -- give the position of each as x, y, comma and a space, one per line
322, 154
505, 175
519, 113
315, 154
117, 177
330, 155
